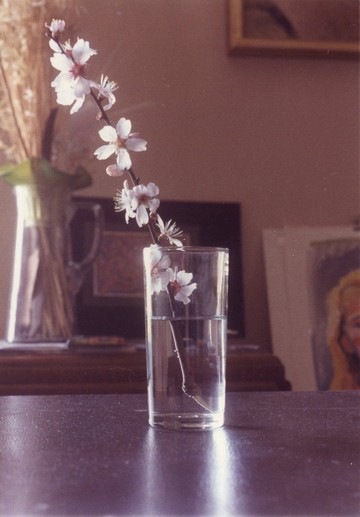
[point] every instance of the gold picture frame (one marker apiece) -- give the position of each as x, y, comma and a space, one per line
288, 28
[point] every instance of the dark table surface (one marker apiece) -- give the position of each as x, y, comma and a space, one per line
279, 454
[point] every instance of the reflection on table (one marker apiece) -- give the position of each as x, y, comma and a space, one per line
279, 453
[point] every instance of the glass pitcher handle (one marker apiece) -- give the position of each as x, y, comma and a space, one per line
78, 270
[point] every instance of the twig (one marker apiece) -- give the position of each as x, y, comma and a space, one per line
189, 385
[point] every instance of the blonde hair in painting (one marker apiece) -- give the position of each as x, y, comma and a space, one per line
338, 302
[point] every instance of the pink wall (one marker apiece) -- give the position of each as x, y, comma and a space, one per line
280, 136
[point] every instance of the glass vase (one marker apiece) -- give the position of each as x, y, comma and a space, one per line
186, 330
45, 277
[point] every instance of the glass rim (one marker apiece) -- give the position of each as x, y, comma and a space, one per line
192, 249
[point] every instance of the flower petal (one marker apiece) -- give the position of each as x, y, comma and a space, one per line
81, 86
108, 134
177, 242
63, 81
61, 62
180, 297
164, 263
113, 170
152, 189
77, 105
123, 128
136, 144
65, 97
153, 205
104, 151
184, 278
188, 289
123, 160
142, 216
82, 52
54, 46
155, 254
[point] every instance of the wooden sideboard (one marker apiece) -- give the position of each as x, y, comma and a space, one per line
118, 369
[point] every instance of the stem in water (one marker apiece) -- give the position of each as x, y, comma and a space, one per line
189, 386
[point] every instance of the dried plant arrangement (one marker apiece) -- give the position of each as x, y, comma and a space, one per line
40, 301
26, 101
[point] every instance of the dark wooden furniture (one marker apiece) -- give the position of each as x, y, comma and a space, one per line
280, 453
120, 369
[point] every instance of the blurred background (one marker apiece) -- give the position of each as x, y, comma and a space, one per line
279, 135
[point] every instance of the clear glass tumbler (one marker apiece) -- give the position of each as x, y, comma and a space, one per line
186, 328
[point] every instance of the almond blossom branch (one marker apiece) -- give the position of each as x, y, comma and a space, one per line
102, 115
117, 136
139, 202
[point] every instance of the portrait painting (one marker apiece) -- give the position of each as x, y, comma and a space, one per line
335, 306
312, 276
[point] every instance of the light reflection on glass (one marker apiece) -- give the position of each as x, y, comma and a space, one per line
16, 278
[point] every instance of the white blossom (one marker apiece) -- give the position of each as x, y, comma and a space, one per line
144, 199
71, 85
160, 273
181, 288
120, 141
137, 201
114, 170
169, 231
106, 89
123, 201
56, 27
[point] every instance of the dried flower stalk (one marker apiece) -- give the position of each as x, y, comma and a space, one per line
25, 93
27, 107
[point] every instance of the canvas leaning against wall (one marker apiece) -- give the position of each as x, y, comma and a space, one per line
307, 269
335, 311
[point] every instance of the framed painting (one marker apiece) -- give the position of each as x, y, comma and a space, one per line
315, 28
111, 300
304, 268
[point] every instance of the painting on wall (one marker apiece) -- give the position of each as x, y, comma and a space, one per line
119, 278
312, 313
111, 300
324, 28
